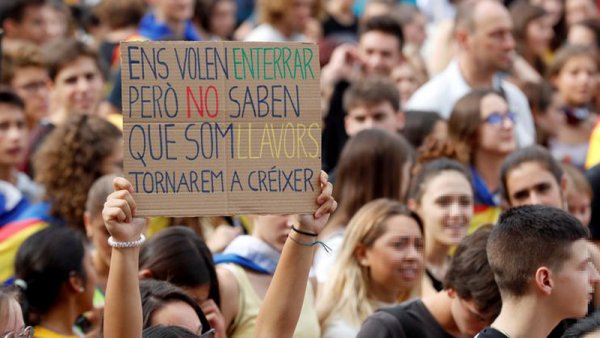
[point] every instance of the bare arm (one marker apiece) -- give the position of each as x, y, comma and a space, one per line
123, 309
281, 308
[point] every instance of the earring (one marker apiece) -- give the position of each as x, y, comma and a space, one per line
81, 289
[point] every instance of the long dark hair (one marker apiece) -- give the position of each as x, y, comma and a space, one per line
44, 262
177, 255
155, 294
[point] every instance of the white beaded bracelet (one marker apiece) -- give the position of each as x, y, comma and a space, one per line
130, 244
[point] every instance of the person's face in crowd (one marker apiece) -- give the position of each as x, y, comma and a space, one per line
538, 35
576, 81
273, 229
467, 316
298, 14
414, 32
34, 26
177, 313
552, 117
581, 35
531, 184
11, 317
174, 11
491, 43
496, 131
579, 10
222, 22
380, 52
32, 84
580, 206
58, 24
446, 207
113, 164
406, 80
77, 87
98, 235
13, 135
554, 8
395, 259
380, 115
573, 281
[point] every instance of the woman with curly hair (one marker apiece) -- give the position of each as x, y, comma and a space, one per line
69, 162
73, 156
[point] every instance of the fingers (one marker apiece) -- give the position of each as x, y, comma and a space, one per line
208, 306
113, 214
325, 195
120, 183
323, 178
326, 208
123, 201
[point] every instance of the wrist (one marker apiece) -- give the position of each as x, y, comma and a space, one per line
124, 244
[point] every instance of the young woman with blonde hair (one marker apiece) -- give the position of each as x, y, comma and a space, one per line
380, 263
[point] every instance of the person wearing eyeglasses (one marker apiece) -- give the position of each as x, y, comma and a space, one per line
12, 324
481, 129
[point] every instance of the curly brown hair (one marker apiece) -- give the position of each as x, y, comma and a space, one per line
70, 160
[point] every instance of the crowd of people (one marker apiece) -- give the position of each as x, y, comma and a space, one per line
459, 193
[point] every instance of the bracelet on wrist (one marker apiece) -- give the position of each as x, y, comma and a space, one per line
130, 244
311, 244
307, 233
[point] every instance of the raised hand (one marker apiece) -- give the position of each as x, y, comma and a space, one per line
119, 213
214, 317
327, 205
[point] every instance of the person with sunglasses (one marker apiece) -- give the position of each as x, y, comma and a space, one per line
481, 130
282, 303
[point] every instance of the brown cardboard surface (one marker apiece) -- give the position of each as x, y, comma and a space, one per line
221, 128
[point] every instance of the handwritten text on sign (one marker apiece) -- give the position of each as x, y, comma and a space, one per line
220, 128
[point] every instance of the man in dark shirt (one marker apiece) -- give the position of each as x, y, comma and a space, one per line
469, 302
541, 262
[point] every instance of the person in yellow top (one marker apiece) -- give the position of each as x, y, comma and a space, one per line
57, 278
593, 154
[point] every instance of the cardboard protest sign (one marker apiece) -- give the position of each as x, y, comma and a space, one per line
221, 128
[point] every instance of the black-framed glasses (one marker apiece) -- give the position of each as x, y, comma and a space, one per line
496, 119
27, 332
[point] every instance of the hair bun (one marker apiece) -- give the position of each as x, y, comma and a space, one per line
433, 149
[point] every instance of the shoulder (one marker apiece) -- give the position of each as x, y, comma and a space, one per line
513, 92
228, 285
381, 324
338, 327
490, 332
429, 95
264, 32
